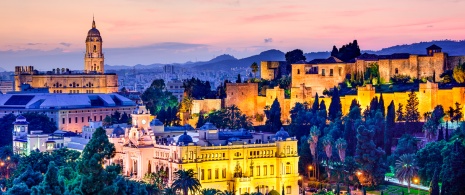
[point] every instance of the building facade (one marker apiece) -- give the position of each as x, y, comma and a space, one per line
236, 160
70, 112
93, 79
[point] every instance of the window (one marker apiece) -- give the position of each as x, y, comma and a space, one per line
298, 71
288, 169
209, 172
265, 170
288, 190
397, 71
202, 174
217, 173
95, 118
75, 119
82, 119
63, 121
100, 117
340, 71
69, 120
258, 170
251, 172
331, 72
323, 72
223, 173
271, 169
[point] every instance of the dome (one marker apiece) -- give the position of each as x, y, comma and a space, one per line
156, 122
282, 134
118, 131
93, 33
208, 126
20, 120
185, 139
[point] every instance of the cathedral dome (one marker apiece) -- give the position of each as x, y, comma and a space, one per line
282, 134
185, 139
93, 33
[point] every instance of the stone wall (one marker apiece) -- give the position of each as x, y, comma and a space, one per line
244, 96
205, 105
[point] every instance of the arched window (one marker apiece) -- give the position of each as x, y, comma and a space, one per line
95, 48
397, 71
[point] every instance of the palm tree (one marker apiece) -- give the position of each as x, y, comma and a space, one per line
254, 68
169, 191
341, 146
210, 191
328, 145
186, 181
227, 192
406, 168
313, 142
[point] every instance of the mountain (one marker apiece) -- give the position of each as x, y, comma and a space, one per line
453, 48
226, 62
270, 55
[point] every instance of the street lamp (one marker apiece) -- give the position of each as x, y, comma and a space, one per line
417, 181
359, 173
310, 170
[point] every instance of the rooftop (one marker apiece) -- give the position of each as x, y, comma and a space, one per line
62, 101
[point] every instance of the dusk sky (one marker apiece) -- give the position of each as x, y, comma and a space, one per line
51, 33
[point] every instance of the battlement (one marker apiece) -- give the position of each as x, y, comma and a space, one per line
24, 70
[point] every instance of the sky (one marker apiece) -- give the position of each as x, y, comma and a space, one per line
51, 33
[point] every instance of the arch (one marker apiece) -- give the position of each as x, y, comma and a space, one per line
95, 48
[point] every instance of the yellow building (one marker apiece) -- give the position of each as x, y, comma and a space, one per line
236, 160
61, 80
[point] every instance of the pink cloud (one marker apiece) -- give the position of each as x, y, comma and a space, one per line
271, 17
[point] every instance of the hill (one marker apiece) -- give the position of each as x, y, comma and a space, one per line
226, 62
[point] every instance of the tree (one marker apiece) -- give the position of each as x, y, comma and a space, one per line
453, 174
381, 105
124, 118
315, 106
51, 184
411, 109
348, 52
335, 107
370, 158
293, 57
6, 130
434, 186
238, 80
459, 73
186, 181
406, 169
350, 131
254, 68
94, 178
107, 121
457, 113
400, 113
30, 178
341, 146
335, 51
273, 116
389, 129
210, 191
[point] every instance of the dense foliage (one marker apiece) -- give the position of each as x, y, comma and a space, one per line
157, 98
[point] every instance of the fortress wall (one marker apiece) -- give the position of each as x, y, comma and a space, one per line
243, 95
429, 65
402, 65
386, 70
318, 82
205, 105
453, 61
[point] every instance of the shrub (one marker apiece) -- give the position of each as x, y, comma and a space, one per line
400, 79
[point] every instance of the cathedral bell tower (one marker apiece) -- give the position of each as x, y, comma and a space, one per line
93, 58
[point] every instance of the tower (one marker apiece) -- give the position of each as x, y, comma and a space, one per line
20, 129
93, 58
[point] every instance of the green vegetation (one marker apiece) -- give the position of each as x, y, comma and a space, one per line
273, 117
229, 117
459, 73
157, 98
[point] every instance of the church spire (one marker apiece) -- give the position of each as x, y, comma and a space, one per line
93, 22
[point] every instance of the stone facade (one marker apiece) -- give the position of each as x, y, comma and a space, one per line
92, 80
269, 69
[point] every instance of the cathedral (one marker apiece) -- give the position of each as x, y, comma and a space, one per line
60, 80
